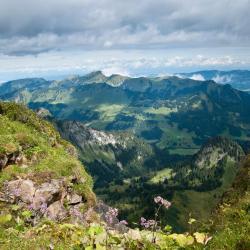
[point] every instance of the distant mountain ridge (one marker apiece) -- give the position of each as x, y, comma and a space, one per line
171, 112
239, 79
108, 156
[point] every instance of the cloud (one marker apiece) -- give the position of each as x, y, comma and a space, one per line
32, 27
126, 62
115, 70
197, 77
222, 79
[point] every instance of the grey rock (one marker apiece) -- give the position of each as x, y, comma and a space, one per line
3, 161
22, 189
56, 211
74, 199
47, 193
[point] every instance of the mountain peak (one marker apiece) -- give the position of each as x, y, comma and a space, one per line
97, 73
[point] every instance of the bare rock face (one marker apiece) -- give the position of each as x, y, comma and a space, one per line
45, 199
3, 161
74, 199
47, 193
49, 199
21, 189
12, 158
56, 211
21, 160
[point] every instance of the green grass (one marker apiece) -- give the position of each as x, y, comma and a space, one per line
23, 132
231, 221
108, 112
161, 175
161, 110
201, 204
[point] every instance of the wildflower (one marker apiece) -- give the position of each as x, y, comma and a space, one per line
76, 213
123, 222
159, 200
143, 220
17, 192
147, 223
31, 206
43, 208
111, 214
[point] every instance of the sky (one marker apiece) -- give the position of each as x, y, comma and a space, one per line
55, 38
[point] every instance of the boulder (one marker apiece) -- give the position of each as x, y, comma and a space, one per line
22, 189
3, 161
56, 211
21, 160
47, 193
74, 199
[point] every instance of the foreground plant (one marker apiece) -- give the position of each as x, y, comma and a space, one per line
153, 224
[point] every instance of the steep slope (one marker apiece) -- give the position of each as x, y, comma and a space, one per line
39, 172
191, 186
231, 222
108, 156
47, 202
46, 199
178, 114
210, 164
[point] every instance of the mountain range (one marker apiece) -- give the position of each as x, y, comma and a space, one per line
239, 79
47, 201
170, 112
143, 136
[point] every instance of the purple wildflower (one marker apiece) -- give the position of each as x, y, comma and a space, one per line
159, 200
123, 222
148, 223
111, 214
31, 206
17, 192
76, 213
43, 208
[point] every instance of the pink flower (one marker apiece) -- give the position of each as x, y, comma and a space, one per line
166, 204
31, 206
147, 223
123, 222
17, 192
75, 212
43, 208
159, 200
111, 214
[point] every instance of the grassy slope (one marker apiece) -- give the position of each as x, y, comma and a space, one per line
37, 141
231, 226
200, 204
21, 129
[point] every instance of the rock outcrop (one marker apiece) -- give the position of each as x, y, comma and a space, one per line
12, 158
53, 199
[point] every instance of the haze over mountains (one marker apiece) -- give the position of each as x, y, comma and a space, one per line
239, 79
171, 112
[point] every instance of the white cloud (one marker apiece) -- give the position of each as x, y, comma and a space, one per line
125, 62
115, 70
222, 79
197, 77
